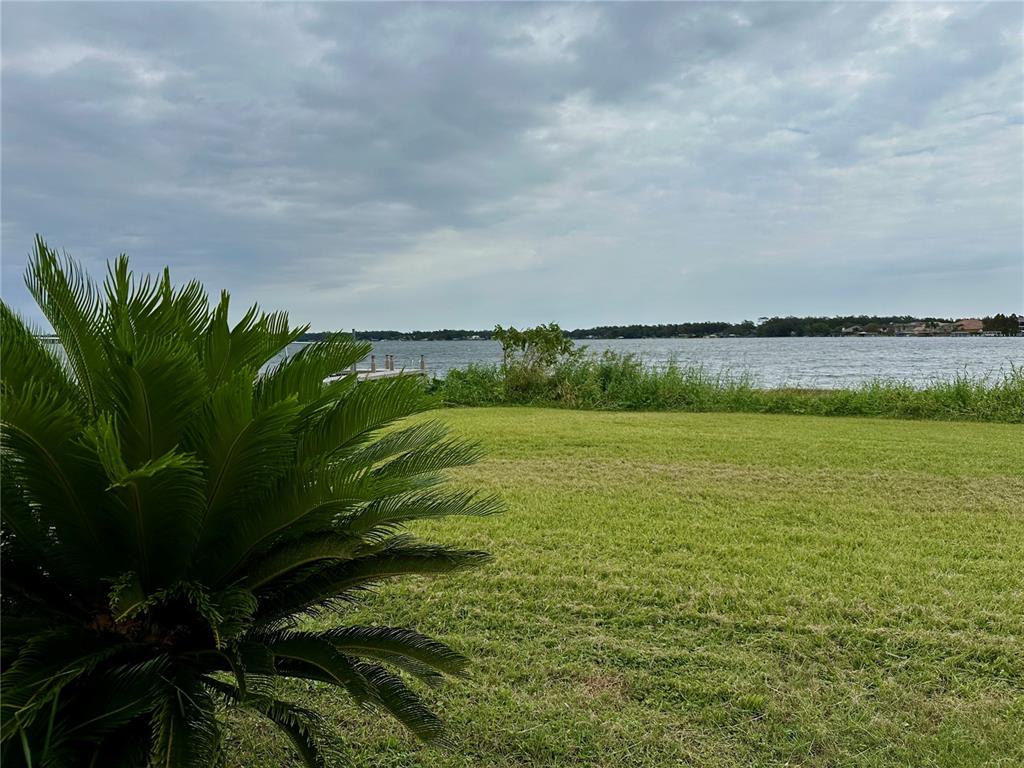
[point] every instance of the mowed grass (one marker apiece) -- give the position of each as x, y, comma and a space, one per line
718, 590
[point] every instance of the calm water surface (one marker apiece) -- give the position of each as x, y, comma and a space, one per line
798, 362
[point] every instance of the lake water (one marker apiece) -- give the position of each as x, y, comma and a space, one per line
798, 362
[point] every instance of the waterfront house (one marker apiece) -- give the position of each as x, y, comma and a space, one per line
918, 328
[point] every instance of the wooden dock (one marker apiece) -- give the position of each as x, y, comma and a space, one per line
373, 372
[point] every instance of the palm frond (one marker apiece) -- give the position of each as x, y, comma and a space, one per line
72, 304
390, 512
45, 664
130, 303
25, 360
187, 732
397, 442
422, 468
24, 536
307, 655
387, 642
254, 340
188, 311
149, 308
162, 503
303, 727
301, 503
124, 694
352, 419
236, 606
244, 453
53, 470
153, 391
296, 553
302, 375
398, 699
310, 658
332, 583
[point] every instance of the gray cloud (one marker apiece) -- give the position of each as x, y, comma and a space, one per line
427, 165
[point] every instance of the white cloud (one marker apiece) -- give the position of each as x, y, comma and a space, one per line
49, 60
442, 256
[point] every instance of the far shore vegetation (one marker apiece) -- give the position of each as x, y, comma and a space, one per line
766, 327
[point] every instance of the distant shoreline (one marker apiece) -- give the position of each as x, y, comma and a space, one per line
361, 336
766, 327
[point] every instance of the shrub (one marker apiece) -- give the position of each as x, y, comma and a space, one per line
528, 357
474, 385
170, 516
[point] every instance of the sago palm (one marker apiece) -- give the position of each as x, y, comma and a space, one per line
171, 514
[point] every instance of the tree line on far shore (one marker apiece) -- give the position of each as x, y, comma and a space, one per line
1006, 325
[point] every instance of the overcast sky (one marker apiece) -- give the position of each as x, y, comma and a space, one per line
424, 166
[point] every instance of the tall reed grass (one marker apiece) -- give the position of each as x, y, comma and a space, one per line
622, 382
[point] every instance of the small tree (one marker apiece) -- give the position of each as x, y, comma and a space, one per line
536, 348
170, 516
528, 356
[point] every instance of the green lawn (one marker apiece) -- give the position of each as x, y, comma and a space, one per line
720, 590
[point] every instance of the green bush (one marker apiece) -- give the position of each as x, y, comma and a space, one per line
474, 385
170, 516
528, 358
